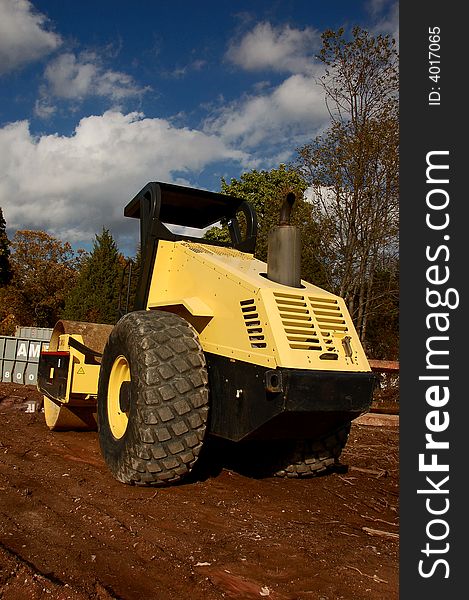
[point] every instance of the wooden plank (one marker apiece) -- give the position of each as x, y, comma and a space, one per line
378, 420
384, 366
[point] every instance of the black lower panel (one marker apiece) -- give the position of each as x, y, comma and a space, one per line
252, 402
53, 374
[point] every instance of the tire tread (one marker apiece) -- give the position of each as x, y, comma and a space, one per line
171, 398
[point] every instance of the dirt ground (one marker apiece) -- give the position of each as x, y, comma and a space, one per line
68, 530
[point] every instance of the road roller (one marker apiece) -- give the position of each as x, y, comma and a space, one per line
219, 347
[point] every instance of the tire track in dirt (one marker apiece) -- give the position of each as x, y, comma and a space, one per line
68, 527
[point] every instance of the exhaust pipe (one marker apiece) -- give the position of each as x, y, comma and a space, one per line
284, 248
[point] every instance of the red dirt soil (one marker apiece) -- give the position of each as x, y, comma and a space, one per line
68, 530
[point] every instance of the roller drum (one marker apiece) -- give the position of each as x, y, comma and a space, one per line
75, 415
94, 335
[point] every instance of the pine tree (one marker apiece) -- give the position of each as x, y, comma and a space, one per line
6, 272
96, 295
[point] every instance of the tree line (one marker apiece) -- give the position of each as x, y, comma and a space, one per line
43, 279
349, 218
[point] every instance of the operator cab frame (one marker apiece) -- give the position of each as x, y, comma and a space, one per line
159, 204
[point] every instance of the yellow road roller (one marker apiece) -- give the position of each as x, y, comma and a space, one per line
218, 346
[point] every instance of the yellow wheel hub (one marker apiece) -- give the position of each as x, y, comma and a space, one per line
118, 416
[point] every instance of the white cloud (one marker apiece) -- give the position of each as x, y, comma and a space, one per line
23, 35
73, 78
179, 72
274, 120
69, 78
44, 109
280, 49
295, 108
72, 186
386, 16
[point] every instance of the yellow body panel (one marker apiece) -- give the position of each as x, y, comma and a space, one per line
241, 314
85, 379
82, 380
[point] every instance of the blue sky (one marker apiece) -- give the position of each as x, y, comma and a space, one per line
98, 97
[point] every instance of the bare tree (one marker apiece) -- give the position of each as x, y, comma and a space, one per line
353, 167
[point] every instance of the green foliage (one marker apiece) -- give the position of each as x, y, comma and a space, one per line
95, 297
218, 234
44, 269
6, 272
266, 191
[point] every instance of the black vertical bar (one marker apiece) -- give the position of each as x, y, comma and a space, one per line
434, 424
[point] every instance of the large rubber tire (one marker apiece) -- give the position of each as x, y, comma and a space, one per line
152, 399
290, 458
307, 458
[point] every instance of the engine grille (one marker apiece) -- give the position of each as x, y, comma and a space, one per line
311, 322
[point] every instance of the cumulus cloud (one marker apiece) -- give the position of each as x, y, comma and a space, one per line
277, 48
274, 120
72, 186
24, 36
69, 77
295, 108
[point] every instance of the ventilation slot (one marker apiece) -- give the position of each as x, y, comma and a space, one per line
197, 248
329, 318
297, 322
253, 324
216, 250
